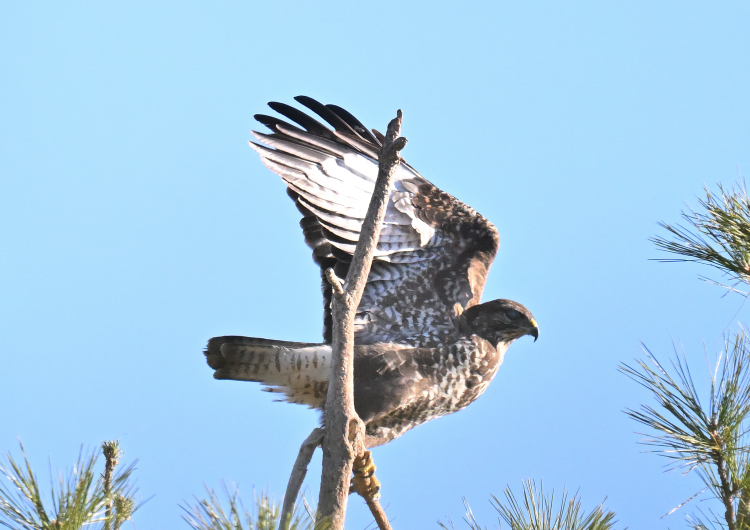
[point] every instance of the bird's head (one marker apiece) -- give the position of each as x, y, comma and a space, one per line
500, 321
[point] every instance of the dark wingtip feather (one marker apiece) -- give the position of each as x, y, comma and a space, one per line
327, 114
311, 125
354, 123
273, 122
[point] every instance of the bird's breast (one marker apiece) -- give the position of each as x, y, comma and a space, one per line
453, 377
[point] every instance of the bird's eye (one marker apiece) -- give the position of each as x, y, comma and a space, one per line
512, 314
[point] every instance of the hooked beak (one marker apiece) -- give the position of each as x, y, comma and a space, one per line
534, 331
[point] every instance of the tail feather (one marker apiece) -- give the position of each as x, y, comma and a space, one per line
297, 369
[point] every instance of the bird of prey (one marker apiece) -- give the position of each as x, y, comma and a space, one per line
424, 344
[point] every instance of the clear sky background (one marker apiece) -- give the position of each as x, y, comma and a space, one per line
136, 223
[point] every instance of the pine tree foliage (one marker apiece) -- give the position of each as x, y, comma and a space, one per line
77, 499
708, 437
212, 513
687, 431
534, 510
718, 237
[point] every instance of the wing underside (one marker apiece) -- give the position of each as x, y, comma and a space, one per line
433, 253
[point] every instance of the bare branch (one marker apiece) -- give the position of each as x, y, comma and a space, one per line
378, 513
299, 471
369, 235
335, 282
344, 431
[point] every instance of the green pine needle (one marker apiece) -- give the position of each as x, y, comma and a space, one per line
710, 437
211, 514
537, 511
720, 237
77, 499
469, 519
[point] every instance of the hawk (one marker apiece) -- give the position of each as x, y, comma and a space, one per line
424, 344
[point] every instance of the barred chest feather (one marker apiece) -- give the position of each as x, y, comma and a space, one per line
450, 378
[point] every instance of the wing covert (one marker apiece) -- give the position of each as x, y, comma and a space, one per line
433, 254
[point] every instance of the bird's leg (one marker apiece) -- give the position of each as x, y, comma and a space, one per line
364, 482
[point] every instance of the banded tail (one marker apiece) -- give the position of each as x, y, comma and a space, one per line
298, 369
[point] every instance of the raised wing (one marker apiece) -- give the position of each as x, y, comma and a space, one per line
433, 254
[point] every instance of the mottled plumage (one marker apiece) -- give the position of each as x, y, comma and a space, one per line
425, 346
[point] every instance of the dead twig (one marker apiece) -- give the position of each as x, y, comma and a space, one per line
299, 471
378, 513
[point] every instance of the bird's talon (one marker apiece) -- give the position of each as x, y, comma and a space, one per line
364, 465
364, 482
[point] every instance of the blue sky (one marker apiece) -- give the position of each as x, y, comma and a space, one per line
136, 224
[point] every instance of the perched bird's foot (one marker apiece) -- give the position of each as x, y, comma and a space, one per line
364, 482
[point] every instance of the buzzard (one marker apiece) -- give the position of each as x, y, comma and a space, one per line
424, 344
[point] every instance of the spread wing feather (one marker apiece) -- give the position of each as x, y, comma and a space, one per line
434, 252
